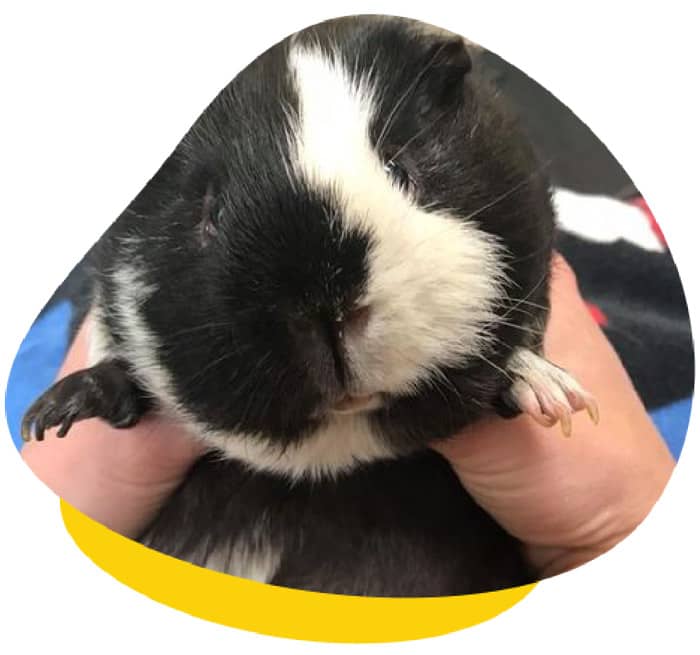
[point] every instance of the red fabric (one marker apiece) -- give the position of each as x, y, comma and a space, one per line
597, 313
642, 204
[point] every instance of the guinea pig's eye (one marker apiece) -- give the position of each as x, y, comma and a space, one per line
213, 219
399, 175
211, 215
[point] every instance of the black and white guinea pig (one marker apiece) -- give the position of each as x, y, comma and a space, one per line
345, 259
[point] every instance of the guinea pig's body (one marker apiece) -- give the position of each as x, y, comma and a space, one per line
345, 259
401, 527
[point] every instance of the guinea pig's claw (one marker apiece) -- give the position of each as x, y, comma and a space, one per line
26, 432
565, 420
592, 409
40, 417
547, 393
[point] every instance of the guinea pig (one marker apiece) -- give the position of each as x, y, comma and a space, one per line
345, 259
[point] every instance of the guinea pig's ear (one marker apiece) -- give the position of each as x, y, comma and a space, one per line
448, 62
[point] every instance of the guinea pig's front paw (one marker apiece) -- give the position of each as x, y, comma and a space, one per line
104, 391
546, 392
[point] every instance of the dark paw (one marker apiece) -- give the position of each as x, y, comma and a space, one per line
60, 406
505, 407
104, 391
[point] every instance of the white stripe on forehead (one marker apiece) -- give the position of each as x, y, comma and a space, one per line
335, 113
433, 278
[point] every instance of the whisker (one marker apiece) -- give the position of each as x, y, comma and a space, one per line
516, 326
405, 95
195, 329
418, 134
534, 253
219, 360
436, 375
495, 366
510, 192
522, 300
532, 304
524, 311
435, 385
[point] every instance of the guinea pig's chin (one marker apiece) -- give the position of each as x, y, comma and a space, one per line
357, 403
347, 404
336, 446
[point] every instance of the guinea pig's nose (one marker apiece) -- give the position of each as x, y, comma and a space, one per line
355, 320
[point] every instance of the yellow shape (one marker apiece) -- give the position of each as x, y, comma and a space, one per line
273, 610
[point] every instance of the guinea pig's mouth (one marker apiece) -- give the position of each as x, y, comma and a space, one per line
354, 404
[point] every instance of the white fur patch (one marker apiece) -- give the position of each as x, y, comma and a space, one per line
99, 340
603, 219
140, 344
433, 279
338, 447
528, 365
252, 557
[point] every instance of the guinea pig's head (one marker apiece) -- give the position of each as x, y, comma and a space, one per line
324, 272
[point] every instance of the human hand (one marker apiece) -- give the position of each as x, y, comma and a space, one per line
119, 478
568, 500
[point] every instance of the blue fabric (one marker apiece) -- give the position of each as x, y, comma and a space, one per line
41, 354
672, 421
37, 363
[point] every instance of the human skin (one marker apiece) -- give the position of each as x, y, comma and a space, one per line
568, 500
118, 477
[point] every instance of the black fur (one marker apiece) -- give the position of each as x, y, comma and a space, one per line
247, 298
400, 528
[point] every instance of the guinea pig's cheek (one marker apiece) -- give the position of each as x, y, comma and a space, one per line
382, 360
434, 280
422, 326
